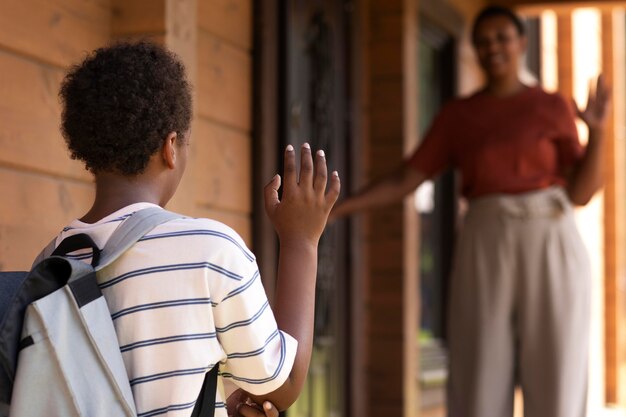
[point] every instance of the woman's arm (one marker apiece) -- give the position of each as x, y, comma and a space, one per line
588, 175
388, 189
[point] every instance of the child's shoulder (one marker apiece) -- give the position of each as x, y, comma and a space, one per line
212, 232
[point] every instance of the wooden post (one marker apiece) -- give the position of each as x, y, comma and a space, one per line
410, 236
614, 208
564, 53
391, 387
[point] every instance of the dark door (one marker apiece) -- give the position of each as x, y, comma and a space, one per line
313, 109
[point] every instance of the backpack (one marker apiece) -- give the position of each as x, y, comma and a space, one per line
59, 354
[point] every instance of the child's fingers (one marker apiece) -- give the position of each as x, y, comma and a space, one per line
245, 410
290, 169
269, 409
333, 189
306, 166
249, 411
321, 173
270, 193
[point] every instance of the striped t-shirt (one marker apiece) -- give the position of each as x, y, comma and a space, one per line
187, 296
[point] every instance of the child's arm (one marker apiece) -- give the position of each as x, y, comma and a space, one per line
299, 219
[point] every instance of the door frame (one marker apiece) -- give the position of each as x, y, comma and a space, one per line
268, 129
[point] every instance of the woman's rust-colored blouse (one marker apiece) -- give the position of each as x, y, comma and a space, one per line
500, 145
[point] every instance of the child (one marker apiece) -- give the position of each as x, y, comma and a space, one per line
188, 295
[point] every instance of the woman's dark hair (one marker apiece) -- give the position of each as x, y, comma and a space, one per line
120, 103
496, 11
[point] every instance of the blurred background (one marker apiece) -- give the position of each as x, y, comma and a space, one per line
361, 79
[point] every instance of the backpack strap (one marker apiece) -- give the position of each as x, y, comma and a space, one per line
77, 242
131, 230
205, 404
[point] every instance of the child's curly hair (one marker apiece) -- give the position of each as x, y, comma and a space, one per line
120, 103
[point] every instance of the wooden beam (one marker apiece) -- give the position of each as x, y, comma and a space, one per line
385, 381
565, 58
619, 174
610, 278
410, 235
536, 6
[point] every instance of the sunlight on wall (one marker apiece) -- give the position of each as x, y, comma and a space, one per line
586, 24
549, 69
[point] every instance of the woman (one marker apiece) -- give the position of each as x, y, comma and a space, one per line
520, 286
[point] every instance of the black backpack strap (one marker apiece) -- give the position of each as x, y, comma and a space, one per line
77, 242
205, 404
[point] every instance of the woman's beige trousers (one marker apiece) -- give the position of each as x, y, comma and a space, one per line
519, 309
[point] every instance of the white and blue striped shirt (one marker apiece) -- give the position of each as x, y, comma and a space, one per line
188, 295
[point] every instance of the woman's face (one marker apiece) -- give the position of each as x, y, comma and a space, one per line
499, 47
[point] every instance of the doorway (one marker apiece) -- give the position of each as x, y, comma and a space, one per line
302, 95
436, 202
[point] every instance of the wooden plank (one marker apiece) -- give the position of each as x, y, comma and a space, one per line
137, 17
385, 87
33, 209
385, 126
565, 54
157, 38
615, 185
222, 167
619, 174
224, 85
30, 115
611, 282
58, 32
387, 27
536, 6
230, 20
386, 59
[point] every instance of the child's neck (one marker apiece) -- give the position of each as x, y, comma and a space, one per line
114, 192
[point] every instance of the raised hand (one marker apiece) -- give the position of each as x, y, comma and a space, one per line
302, 213
595, 112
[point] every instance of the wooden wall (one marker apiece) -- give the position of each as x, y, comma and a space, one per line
223, 128
41, 188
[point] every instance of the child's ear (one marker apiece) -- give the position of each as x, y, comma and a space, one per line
168, 150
